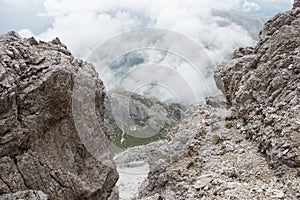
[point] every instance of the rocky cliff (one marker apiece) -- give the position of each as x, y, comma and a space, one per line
262, 84
249, 148
44, 124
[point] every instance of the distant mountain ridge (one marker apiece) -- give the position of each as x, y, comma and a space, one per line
134, 119
251, 24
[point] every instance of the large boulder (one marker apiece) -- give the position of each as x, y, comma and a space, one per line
51, 122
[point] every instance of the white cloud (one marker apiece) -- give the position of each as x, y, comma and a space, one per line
25, 33
20, 14
276, 1
267, 8
81, 31
21, 3
249, 6
81, 26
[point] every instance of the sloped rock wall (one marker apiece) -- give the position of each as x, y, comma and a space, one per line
263, 85
40, 143
249, 147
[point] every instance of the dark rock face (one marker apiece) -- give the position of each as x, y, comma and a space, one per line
41, 143
263, 85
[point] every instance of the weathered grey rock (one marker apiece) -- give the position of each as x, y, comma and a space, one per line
27, 194
296, 4
203, 170
216, 101
51, 122
262, 86
261, 127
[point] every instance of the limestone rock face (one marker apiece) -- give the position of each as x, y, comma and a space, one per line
47, 118
206, 157
263, 85
248, 147
27, 194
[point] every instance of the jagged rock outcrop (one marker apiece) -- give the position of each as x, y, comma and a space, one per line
45, 125
262, 84
207, 158
249, 148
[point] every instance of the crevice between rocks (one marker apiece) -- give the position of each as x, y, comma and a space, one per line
21, 174
10, 189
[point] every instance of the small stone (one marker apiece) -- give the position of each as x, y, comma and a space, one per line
56, 41
297, 162
202, 183
215, 139
10, 53
33, 41
278, 194
240, 151
12, 94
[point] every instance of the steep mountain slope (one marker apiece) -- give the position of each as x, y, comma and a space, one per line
262, 85
249, 23
134, 120
49, 102
248, 149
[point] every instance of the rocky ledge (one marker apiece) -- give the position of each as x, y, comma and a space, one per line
42, 124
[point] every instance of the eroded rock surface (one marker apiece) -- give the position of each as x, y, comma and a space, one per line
42, 135
263, 86
28, 194
194, 165
249, 148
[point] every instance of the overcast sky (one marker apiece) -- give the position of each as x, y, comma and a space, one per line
82, 25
